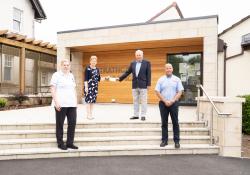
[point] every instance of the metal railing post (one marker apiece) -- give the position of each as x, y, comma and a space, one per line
198, 103
211, 126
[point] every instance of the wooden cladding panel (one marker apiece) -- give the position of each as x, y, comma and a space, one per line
114, 63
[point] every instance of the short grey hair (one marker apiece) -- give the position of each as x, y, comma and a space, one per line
139, 51
63, 61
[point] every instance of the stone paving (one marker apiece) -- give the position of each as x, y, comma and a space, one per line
102, 113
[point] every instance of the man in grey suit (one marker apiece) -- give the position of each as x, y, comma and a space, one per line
141, 81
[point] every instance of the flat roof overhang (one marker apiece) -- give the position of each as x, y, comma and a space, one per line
139, 24
140, 35
184, 42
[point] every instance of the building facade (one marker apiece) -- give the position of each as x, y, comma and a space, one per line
190, 44
234, 59
26, 64
19, 16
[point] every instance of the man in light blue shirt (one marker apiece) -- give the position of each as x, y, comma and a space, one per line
169, 90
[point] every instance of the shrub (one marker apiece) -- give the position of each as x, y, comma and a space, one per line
246, 115
3, 102
20, 98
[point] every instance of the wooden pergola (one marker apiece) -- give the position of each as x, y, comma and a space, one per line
22, 42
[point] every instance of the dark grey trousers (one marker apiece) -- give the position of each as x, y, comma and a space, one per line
173, 111
70, 112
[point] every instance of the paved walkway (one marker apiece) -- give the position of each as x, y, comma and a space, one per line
134, 165
102, 113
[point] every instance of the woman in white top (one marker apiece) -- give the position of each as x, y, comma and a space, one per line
65, 103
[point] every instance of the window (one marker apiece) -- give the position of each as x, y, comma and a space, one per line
39, 68
44, 79
17, 17
46, 69
8, 64
10, 69
188, 68
245, 40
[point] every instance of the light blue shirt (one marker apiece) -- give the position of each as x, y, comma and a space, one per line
137, 68
169, 86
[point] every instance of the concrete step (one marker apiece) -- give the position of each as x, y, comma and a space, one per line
53, 152
98, 132
99, 141
92, 124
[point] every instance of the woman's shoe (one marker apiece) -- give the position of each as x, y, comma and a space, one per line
90, 118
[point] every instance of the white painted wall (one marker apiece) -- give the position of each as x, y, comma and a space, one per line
238, 69
233, 37
6, 16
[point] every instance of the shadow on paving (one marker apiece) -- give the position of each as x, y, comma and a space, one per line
129, 165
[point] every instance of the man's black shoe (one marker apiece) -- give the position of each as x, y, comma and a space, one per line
72, 146
62, 147
143, 118
177, 145
163, 143
133, 118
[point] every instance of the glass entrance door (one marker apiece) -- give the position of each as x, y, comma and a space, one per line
188, 68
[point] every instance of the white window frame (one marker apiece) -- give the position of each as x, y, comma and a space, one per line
8, 63
16, 20
44, 76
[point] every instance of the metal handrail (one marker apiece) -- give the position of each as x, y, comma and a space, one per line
199, 86
211, 101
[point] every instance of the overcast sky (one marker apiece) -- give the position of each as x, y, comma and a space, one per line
78, 14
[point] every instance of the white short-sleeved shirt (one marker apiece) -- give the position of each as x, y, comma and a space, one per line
169, 86
65, 89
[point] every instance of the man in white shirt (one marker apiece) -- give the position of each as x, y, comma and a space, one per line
65, 103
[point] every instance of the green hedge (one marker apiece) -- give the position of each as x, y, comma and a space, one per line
246, 115
3, 102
